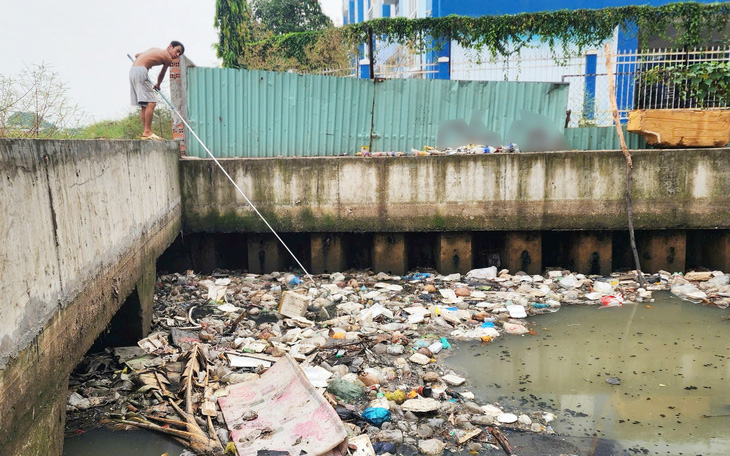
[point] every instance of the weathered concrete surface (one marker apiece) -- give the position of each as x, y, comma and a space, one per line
590, 253
389, 253
84, 222
662, 250
454, 253
680, 189
327, 253
265, 254
523, 252
717, 250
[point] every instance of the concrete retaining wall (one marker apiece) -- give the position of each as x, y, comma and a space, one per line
83, 222
672, 189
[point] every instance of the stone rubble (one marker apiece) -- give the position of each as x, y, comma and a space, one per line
366, 341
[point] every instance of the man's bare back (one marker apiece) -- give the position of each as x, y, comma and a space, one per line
153, 57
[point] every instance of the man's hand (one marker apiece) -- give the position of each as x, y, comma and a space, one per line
156, 87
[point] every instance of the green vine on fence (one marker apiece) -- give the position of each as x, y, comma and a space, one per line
502, 35
700, 84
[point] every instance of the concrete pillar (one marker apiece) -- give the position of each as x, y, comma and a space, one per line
327, 253
389, 253
133, 320
179, 99
662, 250
203, 252
264, 254
454, 253
39, 429
146, 294
591, 252
716, 251
522, 251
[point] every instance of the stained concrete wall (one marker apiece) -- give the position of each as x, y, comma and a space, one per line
679, 189
83, 222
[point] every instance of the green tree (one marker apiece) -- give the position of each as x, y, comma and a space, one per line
236, 27
287, 16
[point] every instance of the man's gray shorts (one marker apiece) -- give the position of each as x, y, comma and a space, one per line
139, 88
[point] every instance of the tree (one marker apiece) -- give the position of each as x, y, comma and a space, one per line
35, 104
236, 27
257, 37
287, 16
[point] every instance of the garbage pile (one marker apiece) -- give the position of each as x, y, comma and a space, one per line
351, 365
467, 149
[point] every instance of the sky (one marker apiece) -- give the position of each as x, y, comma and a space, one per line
87, 41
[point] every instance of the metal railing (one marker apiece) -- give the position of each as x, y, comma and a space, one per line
635, 73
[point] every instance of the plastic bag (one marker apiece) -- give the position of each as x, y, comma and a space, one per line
616, 300
344, 390
376, 415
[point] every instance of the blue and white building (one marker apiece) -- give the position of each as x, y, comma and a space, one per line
586, 72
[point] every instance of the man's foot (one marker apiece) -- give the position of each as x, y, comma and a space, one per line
153, 137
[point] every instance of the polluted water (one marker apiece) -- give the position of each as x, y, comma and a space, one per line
651, 378
109, 443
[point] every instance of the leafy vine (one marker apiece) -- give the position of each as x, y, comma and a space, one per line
502, 35
702, 84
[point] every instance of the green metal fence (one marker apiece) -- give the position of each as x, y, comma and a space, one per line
243, 113
601, 138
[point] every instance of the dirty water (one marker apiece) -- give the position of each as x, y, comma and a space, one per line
670, 358
110, 443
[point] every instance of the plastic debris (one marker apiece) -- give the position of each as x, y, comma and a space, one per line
376, 415
364, 341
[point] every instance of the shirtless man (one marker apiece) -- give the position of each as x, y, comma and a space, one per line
140, 90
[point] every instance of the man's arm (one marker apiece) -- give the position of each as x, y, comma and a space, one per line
161, 77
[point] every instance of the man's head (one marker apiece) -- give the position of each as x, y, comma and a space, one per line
176, 49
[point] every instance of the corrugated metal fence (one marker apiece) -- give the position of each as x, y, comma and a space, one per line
601, 138
243, 113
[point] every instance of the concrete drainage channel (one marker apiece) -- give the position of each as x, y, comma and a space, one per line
73, 272
378, 363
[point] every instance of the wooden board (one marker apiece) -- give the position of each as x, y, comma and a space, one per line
681, 127
282, 411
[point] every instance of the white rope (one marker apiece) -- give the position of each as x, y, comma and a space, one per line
231, 179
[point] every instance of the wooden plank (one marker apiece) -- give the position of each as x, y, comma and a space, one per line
681, 127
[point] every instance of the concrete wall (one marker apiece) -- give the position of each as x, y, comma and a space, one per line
672, 189
83, 222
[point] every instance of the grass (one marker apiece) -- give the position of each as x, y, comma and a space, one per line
129, 127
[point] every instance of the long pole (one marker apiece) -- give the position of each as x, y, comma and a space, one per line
371, 47
159, 92
627, 156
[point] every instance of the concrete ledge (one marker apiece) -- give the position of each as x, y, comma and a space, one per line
84, 222
672, 189
30, 379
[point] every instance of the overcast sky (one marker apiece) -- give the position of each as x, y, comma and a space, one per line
87, 41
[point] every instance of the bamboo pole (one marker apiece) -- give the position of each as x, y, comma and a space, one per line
627, 156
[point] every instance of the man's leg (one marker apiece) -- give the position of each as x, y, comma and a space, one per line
147, 113
141, 112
